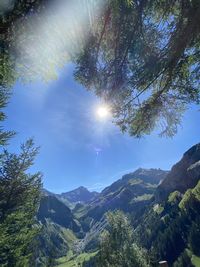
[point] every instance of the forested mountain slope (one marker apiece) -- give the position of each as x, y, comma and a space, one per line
59, 230
130, 193
53, 209
164, 208
183, 175
170, 226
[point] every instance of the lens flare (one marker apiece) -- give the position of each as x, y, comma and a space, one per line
50, 40
103, 112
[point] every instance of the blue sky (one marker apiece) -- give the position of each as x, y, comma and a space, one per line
77, 148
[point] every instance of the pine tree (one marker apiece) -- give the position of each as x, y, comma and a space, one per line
143, 58
4, 96
117, 248
19, 200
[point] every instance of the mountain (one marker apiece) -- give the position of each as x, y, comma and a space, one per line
53, 209
183, 175
71, 198
152, 176
171, 230
53, 241
163, 207
170, 225
59, 197
59, 229
80, 194
129, 193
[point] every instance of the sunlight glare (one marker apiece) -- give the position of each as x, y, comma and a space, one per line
57, 35
103, 112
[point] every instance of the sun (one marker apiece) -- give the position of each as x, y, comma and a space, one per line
103, 112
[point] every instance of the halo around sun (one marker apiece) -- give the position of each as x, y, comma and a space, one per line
102, 111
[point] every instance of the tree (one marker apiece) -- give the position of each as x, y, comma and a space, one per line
19, 190
4, 135
25, 27
117, 248
143, 58
184, 260
13, 14
194, 237
19, 200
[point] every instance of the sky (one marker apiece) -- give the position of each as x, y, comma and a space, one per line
76, 147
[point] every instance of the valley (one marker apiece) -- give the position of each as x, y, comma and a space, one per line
158, 203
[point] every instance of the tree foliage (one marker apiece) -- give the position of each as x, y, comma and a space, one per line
117, 248
143, 58
12, 14
140, 56
4, 135
173, 234
19, 200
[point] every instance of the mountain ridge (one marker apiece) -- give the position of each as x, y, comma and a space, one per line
183, 175
146, 174
80, 194
154, 199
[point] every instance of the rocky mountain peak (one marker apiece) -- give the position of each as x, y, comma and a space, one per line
80, 194
183, 175
147, 175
